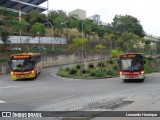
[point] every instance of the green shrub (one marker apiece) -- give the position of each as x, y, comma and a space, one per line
93, 73
109, 72
84, 71
78, 66
3, 59
99, 64
100, 74
67, 69
115, 67
111, 61
114, 53
72, 71
104, 70
91, 65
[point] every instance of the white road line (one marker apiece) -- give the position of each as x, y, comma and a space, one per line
62, 98
1, 101
64, 78
4, 87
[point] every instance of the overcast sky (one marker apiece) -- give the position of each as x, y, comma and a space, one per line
146, 11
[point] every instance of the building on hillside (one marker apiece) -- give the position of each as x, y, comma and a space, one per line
96, 19
150, 40
81, 14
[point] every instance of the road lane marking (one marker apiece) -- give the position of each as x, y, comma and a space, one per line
38, 97
64, 78
62, 98
1, 101
5, 87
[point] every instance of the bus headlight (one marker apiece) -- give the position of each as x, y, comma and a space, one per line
32, 71
120, 73
142, 72
11, 73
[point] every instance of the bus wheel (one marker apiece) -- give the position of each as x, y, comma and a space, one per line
35, 75
125, 80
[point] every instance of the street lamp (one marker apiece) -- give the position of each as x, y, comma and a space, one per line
82, 44
39, 39
82, 29
65, 23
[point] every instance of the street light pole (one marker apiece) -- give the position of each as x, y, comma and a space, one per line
82, 29
39, 39
82, 38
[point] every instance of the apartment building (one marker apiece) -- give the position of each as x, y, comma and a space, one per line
81, 14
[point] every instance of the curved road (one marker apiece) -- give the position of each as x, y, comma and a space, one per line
52, 93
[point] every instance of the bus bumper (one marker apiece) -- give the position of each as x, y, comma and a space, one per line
26, 76
140, 77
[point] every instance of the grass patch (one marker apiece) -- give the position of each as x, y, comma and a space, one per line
3, 59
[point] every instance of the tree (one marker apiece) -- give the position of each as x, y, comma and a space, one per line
19, 26
73, 22
127, 40
77, 46
100, 48
57, 18
127, 23
110, 40
4, 37
7, 16
35, 16
38, 29
85, 26
100, 30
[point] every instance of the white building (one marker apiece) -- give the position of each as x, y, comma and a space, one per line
81, 14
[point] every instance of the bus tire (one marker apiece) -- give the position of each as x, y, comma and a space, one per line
125, 80
35, 75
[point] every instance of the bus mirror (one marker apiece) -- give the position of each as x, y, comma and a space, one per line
33, 62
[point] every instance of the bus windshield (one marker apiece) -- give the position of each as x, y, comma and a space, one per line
131, 64
18, 65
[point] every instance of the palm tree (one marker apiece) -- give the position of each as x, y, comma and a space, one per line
77, 45
100, 48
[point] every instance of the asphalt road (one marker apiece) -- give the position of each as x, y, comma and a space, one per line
52, 93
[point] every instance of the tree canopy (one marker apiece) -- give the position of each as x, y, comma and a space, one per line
127, 23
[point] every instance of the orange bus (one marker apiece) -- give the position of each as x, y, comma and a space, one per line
131, 66
25, 65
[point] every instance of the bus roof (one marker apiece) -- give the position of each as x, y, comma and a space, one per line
130, 55
25, 55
